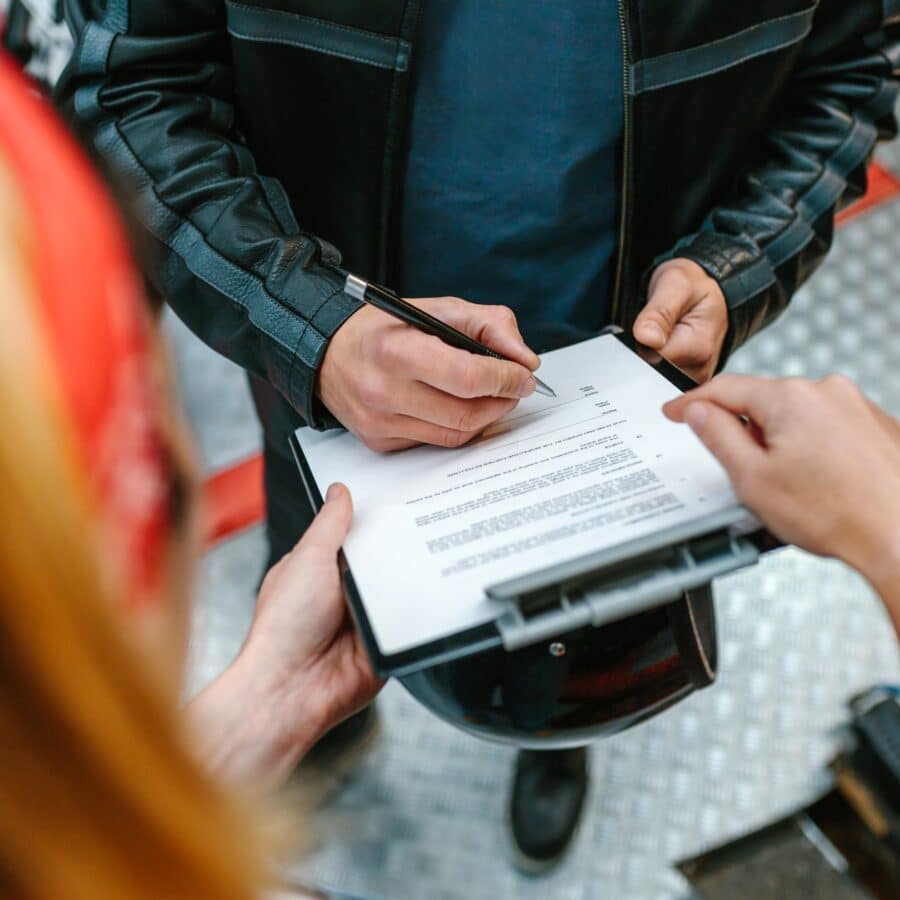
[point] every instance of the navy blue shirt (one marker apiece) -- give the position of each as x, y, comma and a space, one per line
512, 183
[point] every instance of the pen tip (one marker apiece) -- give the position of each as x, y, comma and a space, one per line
544, 389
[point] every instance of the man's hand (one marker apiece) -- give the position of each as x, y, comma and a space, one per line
685, 319
394, 387
819, 464
302, 670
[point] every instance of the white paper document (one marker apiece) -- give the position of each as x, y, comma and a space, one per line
556, 479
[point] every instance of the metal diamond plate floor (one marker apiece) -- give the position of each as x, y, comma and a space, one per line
423, 814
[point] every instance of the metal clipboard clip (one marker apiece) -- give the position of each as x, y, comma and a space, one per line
614, 585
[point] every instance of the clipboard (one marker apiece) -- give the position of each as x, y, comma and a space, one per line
591, 590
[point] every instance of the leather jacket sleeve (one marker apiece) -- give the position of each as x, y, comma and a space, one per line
775, 229
151, 86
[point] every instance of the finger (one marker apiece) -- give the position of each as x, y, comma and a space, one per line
465, 375
425, 433
691, 345
331, 525
725, 436
651, 357
406, 431
743, 395
494, 326
391, 445
670, 298
887, 421
694, 354
421, 401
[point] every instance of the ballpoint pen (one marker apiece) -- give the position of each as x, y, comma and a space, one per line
387, 301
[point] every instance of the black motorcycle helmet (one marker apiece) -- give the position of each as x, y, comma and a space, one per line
580, 686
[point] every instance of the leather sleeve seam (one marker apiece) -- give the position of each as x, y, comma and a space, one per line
248, 272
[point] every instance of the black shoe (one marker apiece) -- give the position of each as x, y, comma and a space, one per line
548, 794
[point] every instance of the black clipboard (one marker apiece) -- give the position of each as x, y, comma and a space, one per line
464, 643
496, 633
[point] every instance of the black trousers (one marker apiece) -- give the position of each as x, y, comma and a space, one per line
288, 510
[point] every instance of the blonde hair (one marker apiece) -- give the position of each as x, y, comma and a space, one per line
99, 796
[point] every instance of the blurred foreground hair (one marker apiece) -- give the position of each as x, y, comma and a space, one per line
99, 796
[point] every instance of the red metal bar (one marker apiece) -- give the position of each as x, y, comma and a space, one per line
233, 499
883, 186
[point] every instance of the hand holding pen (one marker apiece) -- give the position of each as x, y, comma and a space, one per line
387, 301
394, 386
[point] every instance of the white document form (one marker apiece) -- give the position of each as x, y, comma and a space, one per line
555, 480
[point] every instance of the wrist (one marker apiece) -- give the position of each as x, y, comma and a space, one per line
287, 717
309, 401
247, 730
877, 558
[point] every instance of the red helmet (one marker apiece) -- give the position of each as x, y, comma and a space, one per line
97, 329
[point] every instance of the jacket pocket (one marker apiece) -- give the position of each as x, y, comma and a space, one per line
257, 24
658, 72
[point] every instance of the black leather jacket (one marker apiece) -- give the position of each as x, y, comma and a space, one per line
262, 134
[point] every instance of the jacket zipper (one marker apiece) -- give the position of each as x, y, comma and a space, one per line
626, 159
391, 244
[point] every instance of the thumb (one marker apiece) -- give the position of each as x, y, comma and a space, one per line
331, 525
671, 295
725, 436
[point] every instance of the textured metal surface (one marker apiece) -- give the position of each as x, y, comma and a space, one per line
217, 400
424, 814
848, 319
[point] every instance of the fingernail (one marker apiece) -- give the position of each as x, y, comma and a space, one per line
652, 332
333, 492
696, 415
526, 387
